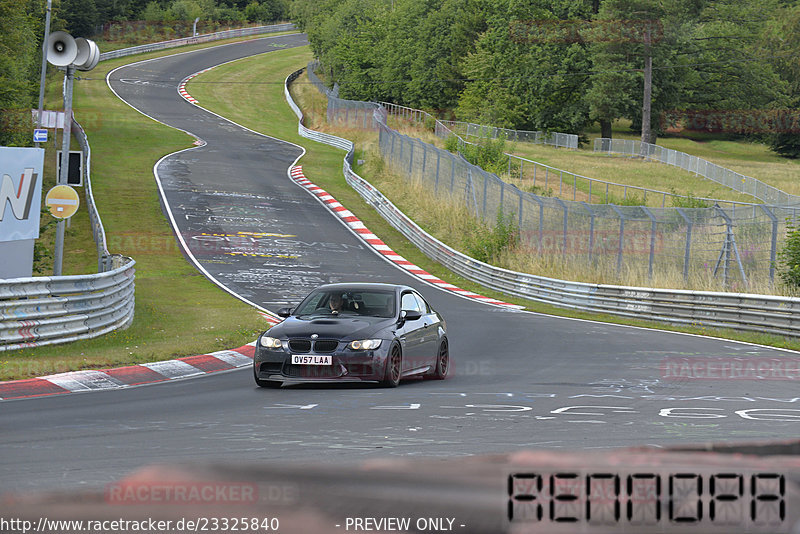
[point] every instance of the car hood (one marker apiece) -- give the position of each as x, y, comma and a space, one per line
350, 327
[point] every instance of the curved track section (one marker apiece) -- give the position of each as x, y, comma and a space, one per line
520, 380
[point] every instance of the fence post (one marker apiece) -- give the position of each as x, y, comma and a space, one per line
502, 193
652, 241
773, 244
686, 255
566, 222
438, 159
591, 227
452, 173
485, 192
411, 157
424, 156
574, 186
621, 236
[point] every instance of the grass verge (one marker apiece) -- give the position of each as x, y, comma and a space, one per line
257, 83
178, 311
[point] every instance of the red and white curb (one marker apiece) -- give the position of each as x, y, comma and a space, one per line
124, 377
182, 87
376, 243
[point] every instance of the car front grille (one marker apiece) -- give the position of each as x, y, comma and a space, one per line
325, 345
300, 345
320, 345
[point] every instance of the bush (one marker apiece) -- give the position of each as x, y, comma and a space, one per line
486, 244
488, 154
789, 257
786, 145
451, 143
689, 201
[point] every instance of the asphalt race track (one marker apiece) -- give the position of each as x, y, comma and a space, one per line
519, 380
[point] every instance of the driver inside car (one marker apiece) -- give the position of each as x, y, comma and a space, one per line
335, 303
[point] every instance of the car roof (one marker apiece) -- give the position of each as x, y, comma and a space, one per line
362, 286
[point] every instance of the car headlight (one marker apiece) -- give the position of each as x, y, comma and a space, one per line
270, 342
365, 344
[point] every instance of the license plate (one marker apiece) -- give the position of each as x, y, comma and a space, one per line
303, 359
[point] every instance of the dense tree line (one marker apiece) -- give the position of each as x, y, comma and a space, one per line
19, 56
565, 64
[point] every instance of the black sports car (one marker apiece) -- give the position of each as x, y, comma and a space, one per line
354, 332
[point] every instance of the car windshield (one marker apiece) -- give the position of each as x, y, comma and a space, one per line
371, 303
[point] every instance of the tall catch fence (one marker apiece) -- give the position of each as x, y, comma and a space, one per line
711, 171
728, 244
468, 129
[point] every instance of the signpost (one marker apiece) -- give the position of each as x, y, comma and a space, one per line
63, 201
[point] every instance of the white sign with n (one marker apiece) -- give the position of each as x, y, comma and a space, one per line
20, 192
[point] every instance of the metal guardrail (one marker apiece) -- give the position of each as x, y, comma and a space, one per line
47, 310
737, 311
710, 171
98, 232
558, 139
227, 34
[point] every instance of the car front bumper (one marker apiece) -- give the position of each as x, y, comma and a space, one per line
347, 365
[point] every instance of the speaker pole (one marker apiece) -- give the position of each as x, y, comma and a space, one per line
44, 64
58, 254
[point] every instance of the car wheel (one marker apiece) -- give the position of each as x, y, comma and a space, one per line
442, 360
394, 365
266, 383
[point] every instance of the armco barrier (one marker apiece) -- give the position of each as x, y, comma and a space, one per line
47, 310
737, 311
227, 34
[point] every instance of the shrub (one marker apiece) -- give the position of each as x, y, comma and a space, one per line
689, 201
486, 244
789, 257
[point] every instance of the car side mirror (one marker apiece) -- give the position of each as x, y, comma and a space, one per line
284, 312
409, 315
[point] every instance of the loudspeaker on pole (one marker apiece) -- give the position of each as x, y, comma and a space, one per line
61, 49
88, 54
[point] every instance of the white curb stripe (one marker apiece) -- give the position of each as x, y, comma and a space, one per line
173, 369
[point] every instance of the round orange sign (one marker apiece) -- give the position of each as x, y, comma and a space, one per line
63, 201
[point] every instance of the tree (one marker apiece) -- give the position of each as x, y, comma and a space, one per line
528, 76
781, 40
18, 69
80, 16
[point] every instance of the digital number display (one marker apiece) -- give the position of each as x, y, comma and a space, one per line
605, 498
